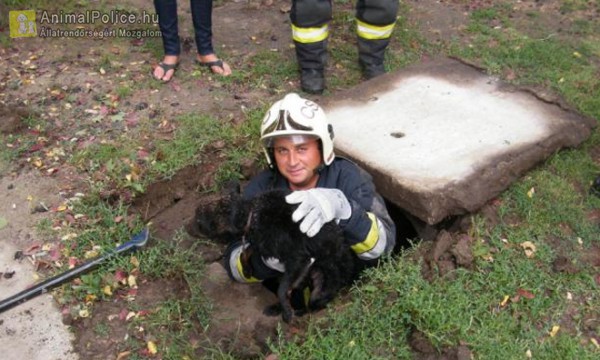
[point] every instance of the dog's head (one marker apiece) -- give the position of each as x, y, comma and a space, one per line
223, 217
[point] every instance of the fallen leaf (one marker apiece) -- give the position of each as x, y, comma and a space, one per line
526, 294
54, 254
528, 354
529, 248
123, 355
123, 314
130, 315
504, 301
554, 330
142, 154
90, 254
531, 192
32, 249
134, 261
121, 276
131, 281
152, 347
84, 313
107, 290
595, 342
118, 117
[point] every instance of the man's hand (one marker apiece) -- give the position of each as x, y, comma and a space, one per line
317, 207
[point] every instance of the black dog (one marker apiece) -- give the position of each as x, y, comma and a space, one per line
324, 262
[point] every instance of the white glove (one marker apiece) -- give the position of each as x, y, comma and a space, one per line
317, 207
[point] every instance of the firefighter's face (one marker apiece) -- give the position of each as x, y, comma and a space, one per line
297, 158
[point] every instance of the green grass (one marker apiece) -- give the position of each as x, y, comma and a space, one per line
196, 132
178, 318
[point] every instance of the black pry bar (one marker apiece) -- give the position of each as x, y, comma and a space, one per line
136, 242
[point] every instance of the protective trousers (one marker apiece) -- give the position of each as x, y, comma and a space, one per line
310, 19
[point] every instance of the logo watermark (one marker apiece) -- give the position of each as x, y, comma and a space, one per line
113, 17
23, 23
47, 32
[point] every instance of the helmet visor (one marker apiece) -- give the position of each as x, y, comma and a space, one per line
295, 139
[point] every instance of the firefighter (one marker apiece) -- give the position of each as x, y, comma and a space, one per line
298, 143
375, 21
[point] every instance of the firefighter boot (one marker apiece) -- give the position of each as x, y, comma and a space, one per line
370, 56
312, 58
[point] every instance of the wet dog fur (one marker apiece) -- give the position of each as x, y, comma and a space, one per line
324, 262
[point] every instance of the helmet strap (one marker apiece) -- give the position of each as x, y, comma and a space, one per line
319, 168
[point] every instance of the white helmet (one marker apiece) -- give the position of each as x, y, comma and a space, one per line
294, 115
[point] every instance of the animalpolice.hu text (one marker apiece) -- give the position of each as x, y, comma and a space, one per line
46, 32
93, 16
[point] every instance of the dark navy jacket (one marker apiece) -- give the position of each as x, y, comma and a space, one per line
369, 231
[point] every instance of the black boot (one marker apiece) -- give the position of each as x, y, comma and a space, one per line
370, 56
312, 59
312, 81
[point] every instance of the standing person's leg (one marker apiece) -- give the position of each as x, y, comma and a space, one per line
167, 21
202, 18
310, 29
375, 20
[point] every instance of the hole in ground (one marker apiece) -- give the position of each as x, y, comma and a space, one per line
171, 205
405, 230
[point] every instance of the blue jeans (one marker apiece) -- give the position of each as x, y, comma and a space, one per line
201, 16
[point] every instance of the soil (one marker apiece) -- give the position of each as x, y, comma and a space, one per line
40, 73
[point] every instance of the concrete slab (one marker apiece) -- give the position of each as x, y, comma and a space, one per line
443, 138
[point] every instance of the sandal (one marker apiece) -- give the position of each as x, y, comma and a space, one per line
210, 64
166, 68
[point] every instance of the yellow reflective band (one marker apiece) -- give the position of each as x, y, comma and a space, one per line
373, 32
371, 240
306, 294
310, 35
238, 265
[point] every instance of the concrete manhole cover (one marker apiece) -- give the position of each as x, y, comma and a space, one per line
443, 138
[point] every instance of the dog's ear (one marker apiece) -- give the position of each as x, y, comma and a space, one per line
231, 188
203, 222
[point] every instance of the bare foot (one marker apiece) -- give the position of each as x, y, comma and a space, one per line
165, 73
223, 70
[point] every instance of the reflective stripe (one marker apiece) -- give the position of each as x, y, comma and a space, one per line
374, 245
373, 32
235, 264
274, 264
310, 35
